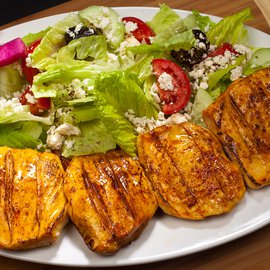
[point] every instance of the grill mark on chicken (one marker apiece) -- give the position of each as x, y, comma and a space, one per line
121, 184
95, 198
39, 196
193, 200
104, 168
229, 145
256, 142
149, 170
208, 159
9, 177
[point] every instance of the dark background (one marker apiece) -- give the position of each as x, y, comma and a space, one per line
15, 9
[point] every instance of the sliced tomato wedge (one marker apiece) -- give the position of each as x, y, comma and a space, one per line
143, 31
30, 72
37, 106
222, 49
176, 99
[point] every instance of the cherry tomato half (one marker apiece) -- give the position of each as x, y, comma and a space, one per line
143, 32
38, 105
172, 100
222, 49
29, 72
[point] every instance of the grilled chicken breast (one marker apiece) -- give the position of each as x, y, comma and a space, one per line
240, 119
110, 199
189, 171
32, 203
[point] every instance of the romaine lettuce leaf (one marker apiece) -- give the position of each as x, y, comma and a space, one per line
107, 20
31, 37
202, 101
230, 29
163, 19
21, 135
10, 80
11, 112
94, 138
51, 43
115, 94
184, 40
122, 91
260, 59
179, 26
94, 47
49, 83
203, 22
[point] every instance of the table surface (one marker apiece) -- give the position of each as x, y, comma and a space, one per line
249, 252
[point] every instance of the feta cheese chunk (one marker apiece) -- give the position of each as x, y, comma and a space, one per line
165, 81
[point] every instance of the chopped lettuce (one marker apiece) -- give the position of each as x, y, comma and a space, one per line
202, 101
163, 19
107, 20
184, 40
260, 59
45, 54
230, 29
93, 47
48, 83
179, 26
115, 94
122, 91
21, 135
10, 80
94, 138
31, 37
10, 115
203, 22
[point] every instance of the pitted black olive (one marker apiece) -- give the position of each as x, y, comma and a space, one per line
84, 31
195, 54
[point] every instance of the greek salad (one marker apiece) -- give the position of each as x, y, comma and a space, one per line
94, 80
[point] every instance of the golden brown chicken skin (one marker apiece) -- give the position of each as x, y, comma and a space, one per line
189, 171
110, 199
32, 203
240, 119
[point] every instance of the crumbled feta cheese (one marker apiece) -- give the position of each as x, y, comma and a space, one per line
67, 130
11, 105
144, 124
204, 85
165, 81
30, 98
243, 50
112, 57
128, 42
154, 93
78, 28
70, 33
130, 27
28, 60
69, 143
56, 135
54, 139
236, 73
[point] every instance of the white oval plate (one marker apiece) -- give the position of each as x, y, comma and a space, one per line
165, 237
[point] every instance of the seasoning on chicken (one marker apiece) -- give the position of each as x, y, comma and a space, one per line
240, 119
189, 171
110, 199
32, 203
